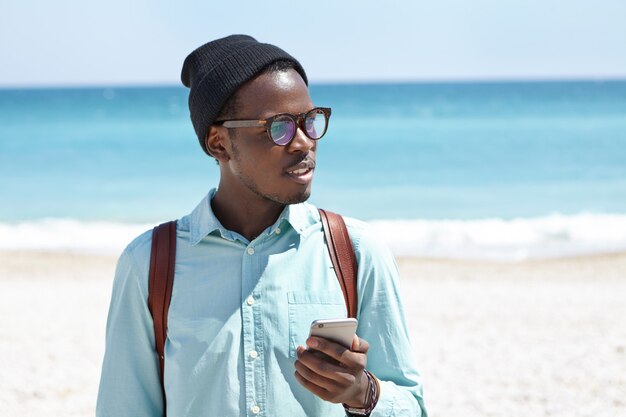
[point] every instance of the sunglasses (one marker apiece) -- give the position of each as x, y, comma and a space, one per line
282, 128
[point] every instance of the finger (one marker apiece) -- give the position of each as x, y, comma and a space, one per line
330, 348
338, 352
360, 345
317, 354
319, 391
324, 373
327, 383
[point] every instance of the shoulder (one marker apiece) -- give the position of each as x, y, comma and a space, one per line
133, 266
134, 262
377, 269
366, 241
369, 247
139, 247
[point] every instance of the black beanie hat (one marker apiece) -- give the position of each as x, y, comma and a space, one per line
216, 70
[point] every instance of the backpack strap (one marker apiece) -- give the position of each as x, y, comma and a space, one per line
163, 258
342, 256
160, 281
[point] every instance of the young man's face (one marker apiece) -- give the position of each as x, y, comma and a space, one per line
257, 166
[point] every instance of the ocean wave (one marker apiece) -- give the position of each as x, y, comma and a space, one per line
551, 236
94, 237
555, 235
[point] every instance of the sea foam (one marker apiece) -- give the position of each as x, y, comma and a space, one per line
95, 237
490, 239
506, 240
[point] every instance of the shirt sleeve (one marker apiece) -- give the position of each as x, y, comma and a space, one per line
130, 383
382, 324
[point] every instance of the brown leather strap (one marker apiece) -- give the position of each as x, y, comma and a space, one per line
342, 256
160, 282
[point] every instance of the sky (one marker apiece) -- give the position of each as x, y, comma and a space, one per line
142, 42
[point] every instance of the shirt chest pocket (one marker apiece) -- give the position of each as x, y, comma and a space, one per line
307, 306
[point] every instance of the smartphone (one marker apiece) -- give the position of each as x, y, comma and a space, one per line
341, 331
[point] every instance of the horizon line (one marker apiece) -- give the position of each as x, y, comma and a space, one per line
373, 81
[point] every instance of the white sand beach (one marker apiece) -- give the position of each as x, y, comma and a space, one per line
540, 338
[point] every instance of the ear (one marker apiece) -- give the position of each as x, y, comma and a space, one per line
216, 143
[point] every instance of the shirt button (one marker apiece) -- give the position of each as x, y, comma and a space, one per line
278, 230
250, 251
254, 354
255, 409
250, 300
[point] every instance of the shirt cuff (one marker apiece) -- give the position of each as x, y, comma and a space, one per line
394, 402
386, 399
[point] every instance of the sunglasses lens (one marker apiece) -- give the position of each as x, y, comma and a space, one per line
282, 130
315, 123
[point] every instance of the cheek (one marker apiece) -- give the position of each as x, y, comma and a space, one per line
259, 160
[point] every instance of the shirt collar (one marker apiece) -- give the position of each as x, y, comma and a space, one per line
202, 220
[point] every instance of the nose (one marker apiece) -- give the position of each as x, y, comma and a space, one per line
301, 142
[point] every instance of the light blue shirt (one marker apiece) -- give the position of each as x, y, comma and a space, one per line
238, 311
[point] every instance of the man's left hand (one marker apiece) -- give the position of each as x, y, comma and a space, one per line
337, 376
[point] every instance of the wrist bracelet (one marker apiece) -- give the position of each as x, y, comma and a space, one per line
371, 397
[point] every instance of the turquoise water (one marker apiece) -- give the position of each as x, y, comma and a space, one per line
406, 151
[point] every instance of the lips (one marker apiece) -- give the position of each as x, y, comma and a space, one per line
303, 172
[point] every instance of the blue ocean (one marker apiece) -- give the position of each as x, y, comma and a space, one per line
441, 169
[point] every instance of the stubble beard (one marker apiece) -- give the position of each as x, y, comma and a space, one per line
300, 197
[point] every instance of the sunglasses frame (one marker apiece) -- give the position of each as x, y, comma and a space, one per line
298, 119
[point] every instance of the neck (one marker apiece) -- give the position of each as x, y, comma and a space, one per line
249, 216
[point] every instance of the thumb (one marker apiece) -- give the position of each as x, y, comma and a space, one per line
355, 344
359, 345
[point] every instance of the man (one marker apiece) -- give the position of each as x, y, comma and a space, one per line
252, 271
